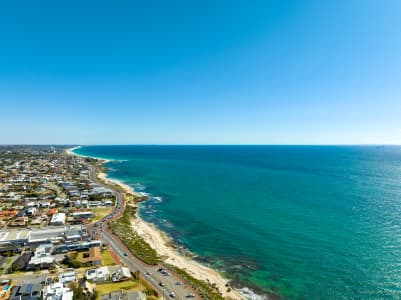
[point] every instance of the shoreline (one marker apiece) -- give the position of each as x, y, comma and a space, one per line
70, 150
160, 240
126, 188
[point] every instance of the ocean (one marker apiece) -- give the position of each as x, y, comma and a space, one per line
301, 222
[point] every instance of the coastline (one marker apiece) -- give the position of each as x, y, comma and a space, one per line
160, 241
127, 189
70, 150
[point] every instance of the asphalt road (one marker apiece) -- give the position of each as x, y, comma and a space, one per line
171, 283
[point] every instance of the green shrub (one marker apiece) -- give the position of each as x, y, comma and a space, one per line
139, 247
203, 288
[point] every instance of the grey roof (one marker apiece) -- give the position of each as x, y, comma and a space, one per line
119, 295
133, 295
27, 291
116, 295
51, 232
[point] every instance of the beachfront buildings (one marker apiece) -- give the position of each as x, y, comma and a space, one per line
47, 200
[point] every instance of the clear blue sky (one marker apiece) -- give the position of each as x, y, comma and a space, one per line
168, 72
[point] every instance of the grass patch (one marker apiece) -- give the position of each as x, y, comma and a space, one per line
100, 212
106, 288
148, 290
107, 260
203, 288
139, 247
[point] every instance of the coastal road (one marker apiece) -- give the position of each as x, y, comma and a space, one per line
171, 282
149, 273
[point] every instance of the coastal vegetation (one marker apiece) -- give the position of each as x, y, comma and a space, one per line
123, 229
203, 288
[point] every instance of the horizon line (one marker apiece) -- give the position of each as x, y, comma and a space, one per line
151, 144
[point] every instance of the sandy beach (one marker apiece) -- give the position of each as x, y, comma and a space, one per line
70, 150
160, 242
125, 187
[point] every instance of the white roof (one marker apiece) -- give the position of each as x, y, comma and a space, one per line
67, 277
37, 260
57, 291
68, 295
99, 273
58, 218
90, 274
125, 272
82, 213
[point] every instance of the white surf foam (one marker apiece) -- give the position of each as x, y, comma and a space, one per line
251, 295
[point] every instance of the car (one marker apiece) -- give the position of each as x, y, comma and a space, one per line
161, 283
125, 254
172, 295
190, 295
148, 273
177, 283
164, 272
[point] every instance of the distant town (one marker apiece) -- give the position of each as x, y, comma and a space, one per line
55, 241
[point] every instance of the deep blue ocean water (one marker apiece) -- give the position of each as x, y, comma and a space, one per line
303, 222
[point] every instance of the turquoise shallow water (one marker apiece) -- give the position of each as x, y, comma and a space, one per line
302, 222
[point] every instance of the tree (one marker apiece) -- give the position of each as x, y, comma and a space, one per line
80, 293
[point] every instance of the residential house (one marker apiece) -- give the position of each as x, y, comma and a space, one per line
26, 292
